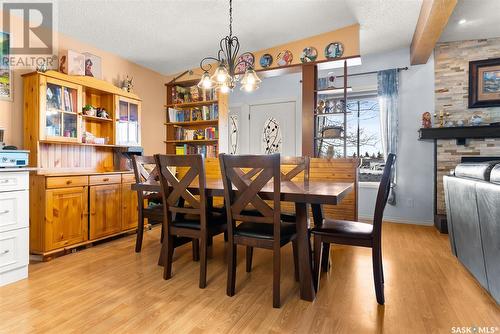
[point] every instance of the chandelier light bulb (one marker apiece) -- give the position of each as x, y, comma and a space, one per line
220, 76
205, 82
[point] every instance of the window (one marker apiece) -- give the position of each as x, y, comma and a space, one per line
363, 138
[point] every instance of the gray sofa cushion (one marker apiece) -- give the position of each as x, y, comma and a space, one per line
495, 174
475, 170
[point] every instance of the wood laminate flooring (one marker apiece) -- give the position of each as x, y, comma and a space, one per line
111, 289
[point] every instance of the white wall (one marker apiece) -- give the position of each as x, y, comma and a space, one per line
276, 89
415, 158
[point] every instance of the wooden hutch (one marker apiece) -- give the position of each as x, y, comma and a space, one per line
78, 194
196, 120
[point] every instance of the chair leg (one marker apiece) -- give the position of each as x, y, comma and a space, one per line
225, 236
203, 262
381, 266
377, 275
318, 252
295, 259
168, 252
210, 241
196, 249
325, 262
231, 269
249, 258
140, 232
276, 277
162, 234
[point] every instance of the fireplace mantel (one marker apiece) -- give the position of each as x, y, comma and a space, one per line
461, 133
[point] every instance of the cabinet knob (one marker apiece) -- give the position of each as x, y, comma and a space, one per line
69, 182
4, 212
5, 252
3, 181
106, 179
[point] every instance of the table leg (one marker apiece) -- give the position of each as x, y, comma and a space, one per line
307, 291
317, 211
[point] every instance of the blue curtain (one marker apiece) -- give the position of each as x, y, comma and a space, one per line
388, 86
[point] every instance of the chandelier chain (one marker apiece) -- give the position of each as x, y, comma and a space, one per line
230, 18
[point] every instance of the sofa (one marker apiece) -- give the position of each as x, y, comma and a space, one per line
472, 195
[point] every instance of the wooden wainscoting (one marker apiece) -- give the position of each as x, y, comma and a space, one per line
75, 157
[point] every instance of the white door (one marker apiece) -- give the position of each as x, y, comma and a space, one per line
272, 128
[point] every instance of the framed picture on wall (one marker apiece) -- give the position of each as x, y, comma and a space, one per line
484, 83
92, 65
6, 86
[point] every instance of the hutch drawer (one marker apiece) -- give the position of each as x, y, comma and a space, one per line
105, 179
66, 181
128, 178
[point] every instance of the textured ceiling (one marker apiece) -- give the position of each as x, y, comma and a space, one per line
172, 35
482, 21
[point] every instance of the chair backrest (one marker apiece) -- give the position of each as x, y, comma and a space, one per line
296, 165
234, 169
383, 193
142, 172
290, 167
175, 191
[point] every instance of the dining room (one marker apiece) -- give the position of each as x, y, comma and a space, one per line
250, 166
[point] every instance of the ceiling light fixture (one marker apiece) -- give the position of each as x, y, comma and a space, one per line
224, 78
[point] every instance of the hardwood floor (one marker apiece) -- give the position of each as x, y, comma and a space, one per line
111, 289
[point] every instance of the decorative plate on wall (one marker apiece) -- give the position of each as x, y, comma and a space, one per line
284, 58
242, 67
334, 50
266, 60
309, 54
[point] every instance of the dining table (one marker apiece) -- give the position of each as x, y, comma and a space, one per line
302, 193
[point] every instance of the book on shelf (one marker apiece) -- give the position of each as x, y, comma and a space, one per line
182, 94
205, 113
208, 151
193, 134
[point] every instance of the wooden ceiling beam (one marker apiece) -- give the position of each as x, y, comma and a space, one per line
433, 18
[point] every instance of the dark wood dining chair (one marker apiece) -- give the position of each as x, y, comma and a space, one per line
186, 215
358, 234
290, 168
154, 211
263, 231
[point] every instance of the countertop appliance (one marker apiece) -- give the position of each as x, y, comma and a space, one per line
13, 158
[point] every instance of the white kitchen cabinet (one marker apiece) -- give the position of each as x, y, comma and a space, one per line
14, 225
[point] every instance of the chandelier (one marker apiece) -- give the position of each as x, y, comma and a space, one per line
224, 77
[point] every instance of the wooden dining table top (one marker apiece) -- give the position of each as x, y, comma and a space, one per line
312, 192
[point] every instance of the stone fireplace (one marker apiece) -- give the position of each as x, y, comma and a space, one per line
451, 95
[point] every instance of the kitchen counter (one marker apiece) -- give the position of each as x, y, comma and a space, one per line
52, 172
18, 169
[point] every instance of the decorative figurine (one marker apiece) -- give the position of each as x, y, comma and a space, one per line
476, 120
102, 113
320, 109
442, 118
460, 122
426, 120
42, 66
128, 84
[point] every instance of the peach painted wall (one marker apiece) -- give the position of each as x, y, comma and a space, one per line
148, 84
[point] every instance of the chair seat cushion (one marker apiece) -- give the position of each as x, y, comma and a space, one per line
193, 221
265, 231
344, 228
289, 217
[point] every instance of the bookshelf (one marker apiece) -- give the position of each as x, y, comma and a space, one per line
194, 118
